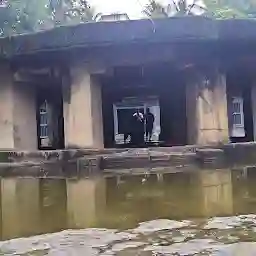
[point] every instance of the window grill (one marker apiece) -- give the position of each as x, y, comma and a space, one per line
44, 122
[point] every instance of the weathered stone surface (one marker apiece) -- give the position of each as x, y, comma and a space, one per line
174, 159
240, 153
183, 159
5, 157
82, 162
88, 165
138, 158
181, 149
54, 155
35, 156
115, 162
133, 158
31, 170
211, 158
159, 157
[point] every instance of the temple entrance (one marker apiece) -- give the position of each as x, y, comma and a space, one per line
123, 112
158, 88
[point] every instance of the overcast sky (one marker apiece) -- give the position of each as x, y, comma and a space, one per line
132, 7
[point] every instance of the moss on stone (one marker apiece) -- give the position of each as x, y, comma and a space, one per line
4, 157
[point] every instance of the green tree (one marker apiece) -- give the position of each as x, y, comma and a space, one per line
155, 9
65, 12
18, 16
223, 9
23, 16
220, 9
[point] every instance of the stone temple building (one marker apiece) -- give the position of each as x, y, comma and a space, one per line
75, 87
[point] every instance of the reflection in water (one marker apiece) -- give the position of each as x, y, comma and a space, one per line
20, 207
216, 192
53, 205
37, 206
33, 206
175, 196
85, 202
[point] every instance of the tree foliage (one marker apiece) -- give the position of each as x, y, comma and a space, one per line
70, 11
18, 16
155, 9
220, 9
21, 16
223, 9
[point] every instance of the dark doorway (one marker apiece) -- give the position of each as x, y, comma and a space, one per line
161, 83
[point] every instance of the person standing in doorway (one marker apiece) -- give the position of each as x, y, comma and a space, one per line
150, 119
137, 136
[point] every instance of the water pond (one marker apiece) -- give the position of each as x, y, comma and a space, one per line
207, 212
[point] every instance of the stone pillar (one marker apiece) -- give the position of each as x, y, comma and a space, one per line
207, 116
18, 123
82, 110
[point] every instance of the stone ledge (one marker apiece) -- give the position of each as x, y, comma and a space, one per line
81, 162
175, 159
54, 155
240, 153
211, 158
115, 162
148, 159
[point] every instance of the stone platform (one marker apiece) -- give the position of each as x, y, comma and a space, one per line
77, 162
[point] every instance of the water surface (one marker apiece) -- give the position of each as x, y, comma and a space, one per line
191, 213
